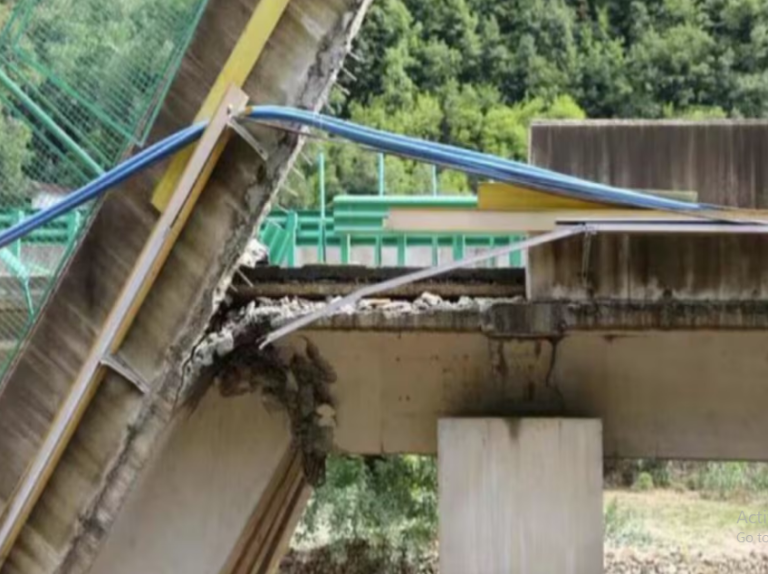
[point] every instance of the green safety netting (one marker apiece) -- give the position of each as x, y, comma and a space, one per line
81, 82
99, 67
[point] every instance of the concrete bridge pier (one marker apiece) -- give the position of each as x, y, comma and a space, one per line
520, 496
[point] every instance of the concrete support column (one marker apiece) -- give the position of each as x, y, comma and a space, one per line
520, 496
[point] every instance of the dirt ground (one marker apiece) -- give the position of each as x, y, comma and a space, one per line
676, 532
651, 532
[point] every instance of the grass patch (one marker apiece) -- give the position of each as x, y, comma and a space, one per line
730, 480
643, 482
624, 526
678, 520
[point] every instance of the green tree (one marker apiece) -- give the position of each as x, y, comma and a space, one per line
390, 501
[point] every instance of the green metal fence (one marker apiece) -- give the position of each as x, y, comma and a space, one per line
356, 223
27, 266
96, 69
81, 82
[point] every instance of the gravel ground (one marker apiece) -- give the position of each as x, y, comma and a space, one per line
616, 562
676, 562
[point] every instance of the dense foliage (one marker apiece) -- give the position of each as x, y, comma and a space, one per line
477, 72
388, 502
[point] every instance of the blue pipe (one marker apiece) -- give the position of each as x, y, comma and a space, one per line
103, 183
472, 162
480, 164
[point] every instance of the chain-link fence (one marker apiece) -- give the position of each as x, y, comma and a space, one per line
81, 82
99, 67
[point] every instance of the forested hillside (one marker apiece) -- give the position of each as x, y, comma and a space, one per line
476, 72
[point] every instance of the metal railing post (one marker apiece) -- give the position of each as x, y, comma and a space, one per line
321, 247
381, 174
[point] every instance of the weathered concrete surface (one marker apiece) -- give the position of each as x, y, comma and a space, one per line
721, 160
724, 161
542, 319
515, 317
195, 497
651, 267
520, 496
75, 512
667, 382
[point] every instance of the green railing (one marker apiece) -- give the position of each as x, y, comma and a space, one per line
359, 221
28, 268
32, 260
350, 221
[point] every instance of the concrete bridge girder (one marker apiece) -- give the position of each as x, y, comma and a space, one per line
668, 379
684, 384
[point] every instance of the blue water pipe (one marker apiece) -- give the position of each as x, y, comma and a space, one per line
480, 164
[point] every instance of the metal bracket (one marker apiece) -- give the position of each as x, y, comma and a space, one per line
586, 257
123, 369
241, 130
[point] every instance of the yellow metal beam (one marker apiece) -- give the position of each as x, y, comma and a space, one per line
121, 316
239, 65
505, 197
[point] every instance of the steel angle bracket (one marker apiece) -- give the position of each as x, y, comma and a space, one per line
237, 126
122, 368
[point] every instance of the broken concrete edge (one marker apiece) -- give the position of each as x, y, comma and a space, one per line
513, 317
159, 406
298, 381
375, 313
229, 361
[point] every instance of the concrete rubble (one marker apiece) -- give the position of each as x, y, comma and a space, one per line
261, 315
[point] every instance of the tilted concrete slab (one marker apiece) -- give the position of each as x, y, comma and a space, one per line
75, 513
194, 498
